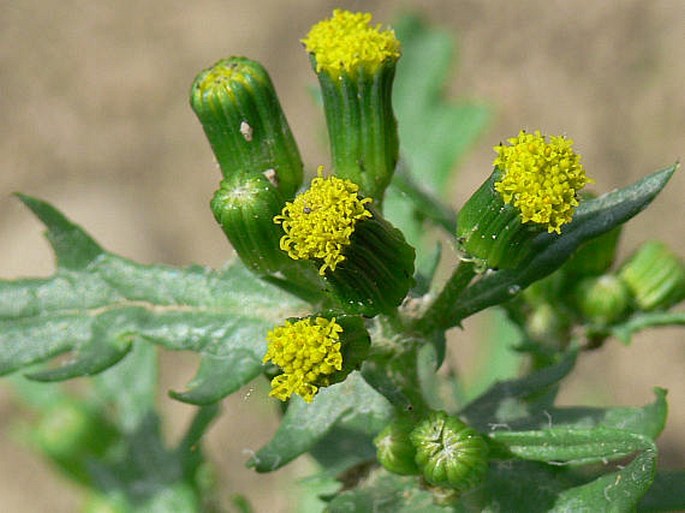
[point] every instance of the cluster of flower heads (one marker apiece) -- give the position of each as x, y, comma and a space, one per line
541, 179
307, 351
347, 43
331, 222
319, 222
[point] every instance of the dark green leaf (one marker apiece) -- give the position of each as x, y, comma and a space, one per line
617, 492
383, 492
95, 307
512, 400
667, 493
306, 424
592, 218
568, 445
648, 421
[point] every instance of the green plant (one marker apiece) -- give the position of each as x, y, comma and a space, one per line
341, 281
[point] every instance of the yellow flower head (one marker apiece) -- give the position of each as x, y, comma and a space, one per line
348, 42
541, 179
307, 350
319, 222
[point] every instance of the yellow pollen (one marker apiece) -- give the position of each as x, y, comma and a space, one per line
541, 179
319, 222
347, 42
306, 350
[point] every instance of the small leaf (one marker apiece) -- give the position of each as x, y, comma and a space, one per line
306, 424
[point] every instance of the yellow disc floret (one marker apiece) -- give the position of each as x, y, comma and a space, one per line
541, 179
319, 222
307, 350
347, 42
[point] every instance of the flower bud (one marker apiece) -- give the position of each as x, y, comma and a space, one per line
364, 260
240, 113
449, 453
395, 450
602, 300
245, 212
533, 189
314, 352
655, 276
355, 63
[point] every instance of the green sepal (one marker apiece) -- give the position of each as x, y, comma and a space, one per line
655, 276
449, 453
395, 450
491, 232
240, 113
362, 128
245, 210
378, 269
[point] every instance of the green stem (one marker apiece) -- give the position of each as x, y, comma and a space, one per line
439, 314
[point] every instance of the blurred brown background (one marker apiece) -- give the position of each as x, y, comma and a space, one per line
94, 118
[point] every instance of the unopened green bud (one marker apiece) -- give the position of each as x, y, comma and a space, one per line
655, 276
395, 450
240, 113
449, 453
365, 261
532, 190
245, 211
602, 300
315, 352
355, 63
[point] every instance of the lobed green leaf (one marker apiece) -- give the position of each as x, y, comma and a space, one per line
97, 304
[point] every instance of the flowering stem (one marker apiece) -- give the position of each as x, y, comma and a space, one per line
438, 315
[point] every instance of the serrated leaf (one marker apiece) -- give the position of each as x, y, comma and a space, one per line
304, 425
592, 218
95, 306
73, 247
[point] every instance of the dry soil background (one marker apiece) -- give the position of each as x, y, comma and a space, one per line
94, 118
